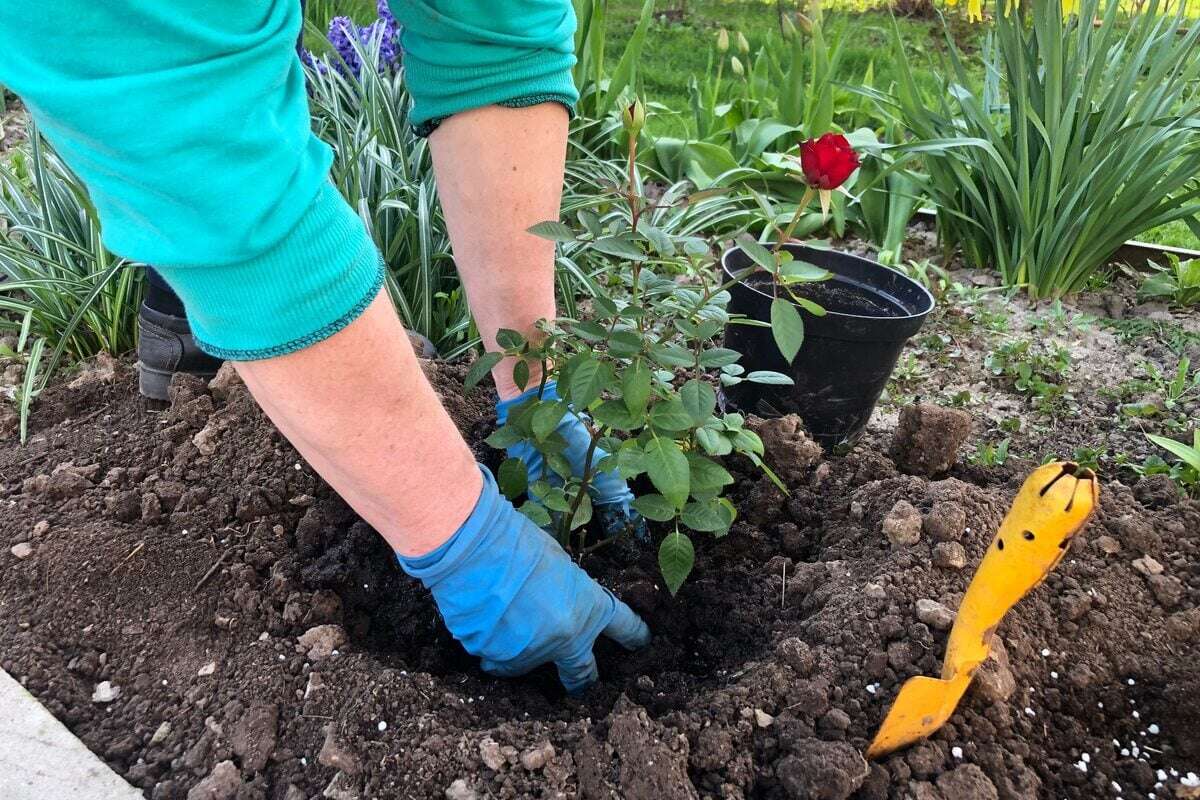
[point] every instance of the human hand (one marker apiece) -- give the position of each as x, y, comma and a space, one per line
511, 595
611, 496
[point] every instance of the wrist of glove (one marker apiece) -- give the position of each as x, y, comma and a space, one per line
608, 489
511, 595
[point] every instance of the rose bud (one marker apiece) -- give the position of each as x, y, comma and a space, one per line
634, 117
828, 161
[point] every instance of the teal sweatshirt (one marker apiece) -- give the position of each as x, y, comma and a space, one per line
188, 123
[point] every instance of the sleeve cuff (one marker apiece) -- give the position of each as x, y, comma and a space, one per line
307, 287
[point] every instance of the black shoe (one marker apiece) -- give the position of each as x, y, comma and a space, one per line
166, 346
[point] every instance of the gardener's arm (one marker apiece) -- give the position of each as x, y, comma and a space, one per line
188, 123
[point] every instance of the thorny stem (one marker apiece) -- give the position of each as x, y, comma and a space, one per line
785, 237
635, 214
584, 482
800, 209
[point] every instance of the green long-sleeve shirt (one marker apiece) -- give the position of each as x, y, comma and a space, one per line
188, 123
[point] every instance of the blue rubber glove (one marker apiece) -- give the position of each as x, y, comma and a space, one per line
610, 494
514, 598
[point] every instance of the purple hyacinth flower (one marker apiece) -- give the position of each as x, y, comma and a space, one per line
342, 35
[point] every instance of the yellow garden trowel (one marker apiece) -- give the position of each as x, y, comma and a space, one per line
1054, 503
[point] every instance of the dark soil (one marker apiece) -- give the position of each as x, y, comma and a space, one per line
264, 644
836, 296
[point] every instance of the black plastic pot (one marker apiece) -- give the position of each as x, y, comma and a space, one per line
848, 354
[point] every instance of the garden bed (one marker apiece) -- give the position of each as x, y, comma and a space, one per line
182, 562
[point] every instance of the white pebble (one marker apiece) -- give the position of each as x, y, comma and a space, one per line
1136, 715
1081, 766
1161, 775
298, 467
956, 752
872, 688
1124, 752
1116, 786
1030, 711
1053, 674
1191, 780
382, 726
1045, 652
1153, 729
1099, 705
1131, 681
1116, 743
1086, 757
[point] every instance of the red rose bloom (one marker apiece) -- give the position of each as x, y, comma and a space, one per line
827, 162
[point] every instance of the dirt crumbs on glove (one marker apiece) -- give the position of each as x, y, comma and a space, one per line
183, 592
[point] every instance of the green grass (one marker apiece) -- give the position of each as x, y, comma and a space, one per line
1176, 234
677, 49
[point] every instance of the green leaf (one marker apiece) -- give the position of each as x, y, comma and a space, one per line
509, 339
670, 415
589, 376
1186, 454
668, 470
559, 465
583, 514
810, 306
770, 378
635, 387
787, 327
556, 499
605, 308
706, 475
655, 507
676, 557
546, 418
590, 331
796, 271
699, 400
672, 355
758, 254
552, 230
512, 477
480, 368
625, 344
714, 443
505, 437
536, 513
719, 357
631, 459
521, 374
707, 515
619, 246
748, 442
659, 239
614, 414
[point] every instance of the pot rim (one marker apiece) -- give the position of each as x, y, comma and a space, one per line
794, 246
